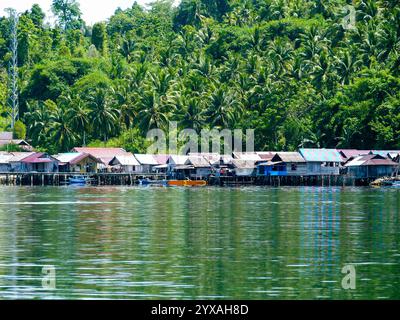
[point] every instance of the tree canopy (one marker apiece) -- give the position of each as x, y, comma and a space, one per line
292, 70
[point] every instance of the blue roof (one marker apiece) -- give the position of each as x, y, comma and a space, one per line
321, 155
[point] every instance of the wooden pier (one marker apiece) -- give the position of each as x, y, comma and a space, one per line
276, 181
131, 179
60, 179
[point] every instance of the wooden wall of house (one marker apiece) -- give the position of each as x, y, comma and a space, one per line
201, 172
5, 167
317, 168
296, 169
370, 171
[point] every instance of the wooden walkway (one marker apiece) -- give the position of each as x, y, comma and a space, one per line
318, 181
59, 179
130, 179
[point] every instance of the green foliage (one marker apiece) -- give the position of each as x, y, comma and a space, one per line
99, 38
19, 130
11, 148
288, 69
37, 16
68, 14
131, 140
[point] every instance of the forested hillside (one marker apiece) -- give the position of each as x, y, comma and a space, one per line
288, 68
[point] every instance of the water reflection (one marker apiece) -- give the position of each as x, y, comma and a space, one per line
251, 243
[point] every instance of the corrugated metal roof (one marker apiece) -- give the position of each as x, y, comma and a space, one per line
183, 167
385, 153
177, 159
6, 135
161, 158
213, 158
125, 161
67, 157
74, 158
19, 156
380, 162
370, 160
226, 159
39, 157
269, 163
321, 155
243, 164
247, 156
266, 155
393, 155
198, 162
5, 158
357, 161
146, 159
101, 152
288, 157
350, 153
104, 154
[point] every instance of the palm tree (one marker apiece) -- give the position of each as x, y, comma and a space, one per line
223, 108
204, 66
127, 111
189, 112
205, 36
367, 9
161, 82
389, 41
369, 43
61, 130
103, 114
281, 55
313, 43
38, 119
127, 47
278, 9
78, 115
153, 111
136, 75
322, 71
346, 67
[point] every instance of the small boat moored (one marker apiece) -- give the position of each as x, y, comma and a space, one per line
79, 180
148, 182
187, 183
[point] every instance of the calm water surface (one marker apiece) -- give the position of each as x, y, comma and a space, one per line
211, 243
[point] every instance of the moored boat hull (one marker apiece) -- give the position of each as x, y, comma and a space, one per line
153, 182
187, 183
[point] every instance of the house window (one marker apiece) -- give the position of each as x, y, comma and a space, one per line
294, 167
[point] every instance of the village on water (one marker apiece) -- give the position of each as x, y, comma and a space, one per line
115, 166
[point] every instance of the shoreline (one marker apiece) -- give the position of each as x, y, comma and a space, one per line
132, 179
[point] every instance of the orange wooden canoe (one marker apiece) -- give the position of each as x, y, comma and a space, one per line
187, 183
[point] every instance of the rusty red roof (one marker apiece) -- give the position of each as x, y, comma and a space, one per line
379, 162
39, 158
